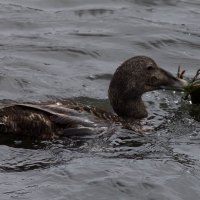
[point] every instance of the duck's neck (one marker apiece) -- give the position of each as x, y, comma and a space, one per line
136, 109
133, 108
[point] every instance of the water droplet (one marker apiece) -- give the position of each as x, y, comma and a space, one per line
58, 103
156, 94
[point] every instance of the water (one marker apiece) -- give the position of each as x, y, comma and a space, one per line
70, 49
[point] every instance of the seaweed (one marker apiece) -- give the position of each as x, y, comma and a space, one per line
193, 88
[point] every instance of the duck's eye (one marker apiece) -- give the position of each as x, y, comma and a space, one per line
150, 67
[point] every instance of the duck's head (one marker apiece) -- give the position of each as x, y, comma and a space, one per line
133, 78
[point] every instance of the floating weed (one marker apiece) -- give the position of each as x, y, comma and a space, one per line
193, 88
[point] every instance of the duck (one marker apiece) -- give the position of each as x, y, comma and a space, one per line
66, 118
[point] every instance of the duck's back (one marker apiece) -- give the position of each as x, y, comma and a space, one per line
56, 119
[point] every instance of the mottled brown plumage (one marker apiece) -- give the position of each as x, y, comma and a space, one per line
66, 118
55, 119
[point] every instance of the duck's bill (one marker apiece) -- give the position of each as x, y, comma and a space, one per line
177, 85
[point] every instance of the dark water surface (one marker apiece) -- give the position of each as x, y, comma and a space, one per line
56, 49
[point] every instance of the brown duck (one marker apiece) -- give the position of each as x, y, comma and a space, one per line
54, 119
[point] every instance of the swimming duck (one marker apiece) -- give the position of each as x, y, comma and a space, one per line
54, 119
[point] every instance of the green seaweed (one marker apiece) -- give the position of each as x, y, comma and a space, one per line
193, 87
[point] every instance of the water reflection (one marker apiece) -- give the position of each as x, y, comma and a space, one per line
93, 12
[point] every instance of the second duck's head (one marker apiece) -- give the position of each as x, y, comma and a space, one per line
133, 78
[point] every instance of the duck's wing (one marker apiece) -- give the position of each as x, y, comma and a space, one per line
15, 119
63, 105
53, 119
76, 109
